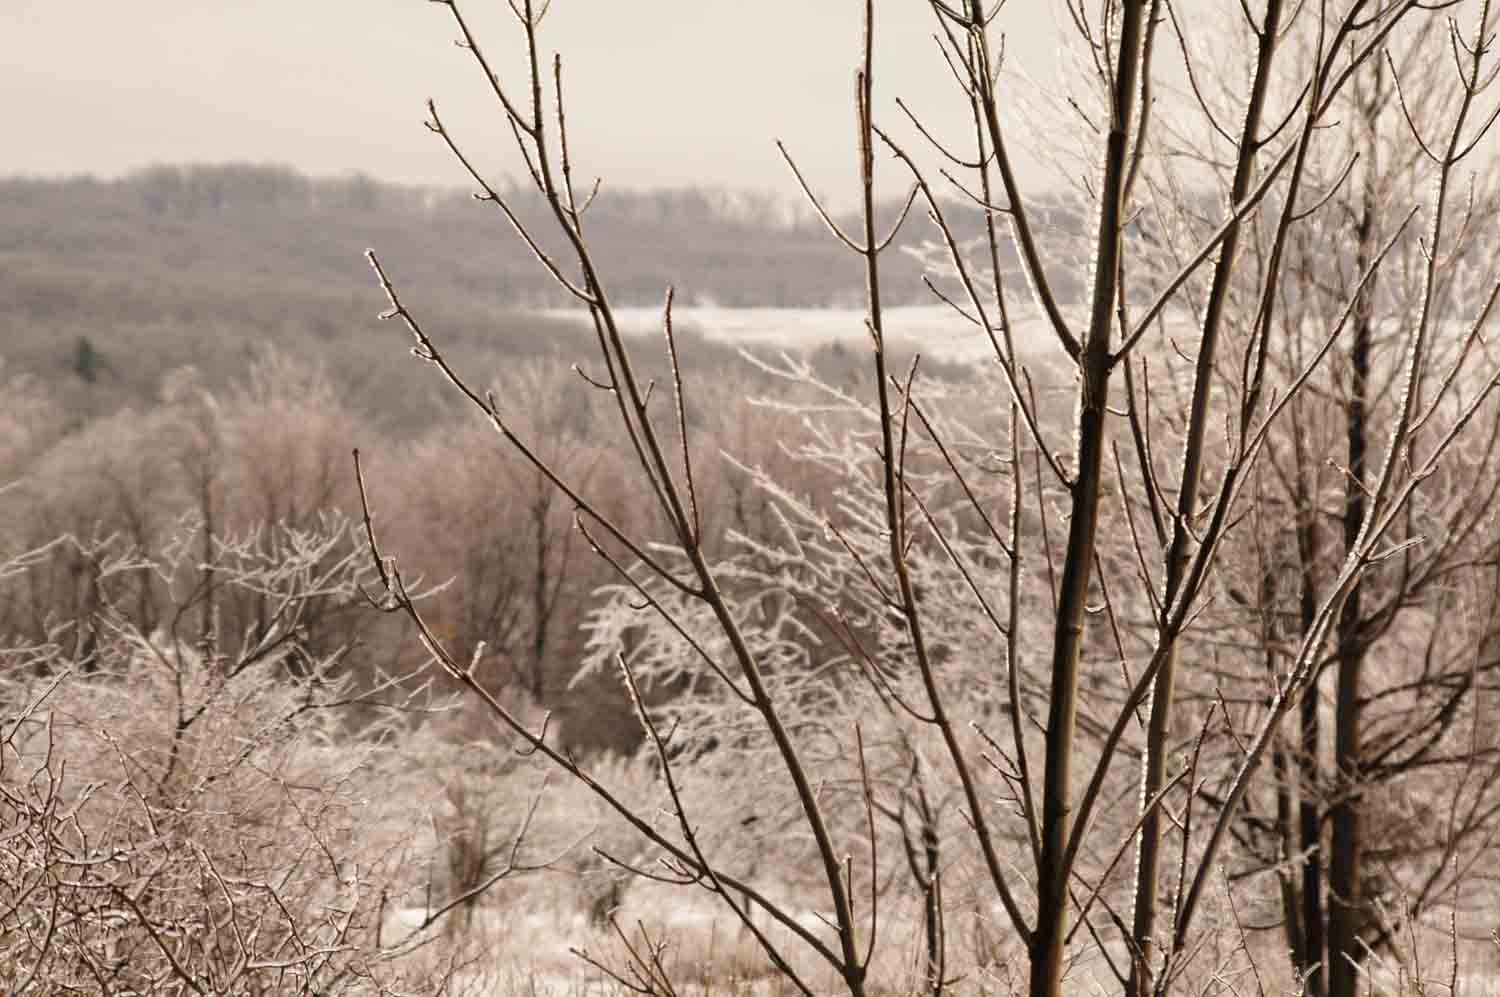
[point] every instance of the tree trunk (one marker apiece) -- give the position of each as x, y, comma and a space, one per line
1313, 964
1094, 368
1346, 905
540, 604
1158, 736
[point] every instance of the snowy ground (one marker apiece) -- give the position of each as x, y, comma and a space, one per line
531, 951
935, 329
526, 943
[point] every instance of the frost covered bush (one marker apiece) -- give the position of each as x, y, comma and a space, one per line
176, 820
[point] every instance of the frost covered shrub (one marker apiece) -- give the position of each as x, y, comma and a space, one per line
166, 834
174, 821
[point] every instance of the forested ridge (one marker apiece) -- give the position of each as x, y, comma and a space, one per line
205, 265
197, 349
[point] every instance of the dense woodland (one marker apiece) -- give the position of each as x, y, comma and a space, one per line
196, 348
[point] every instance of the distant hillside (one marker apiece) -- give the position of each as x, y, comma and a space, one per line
115, 282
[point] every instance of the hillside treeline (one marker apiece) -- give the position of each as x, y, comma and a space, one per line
239, 231
108, 284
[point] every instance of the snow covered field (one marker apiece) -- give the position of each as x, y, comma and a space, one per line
935, 329
528, 944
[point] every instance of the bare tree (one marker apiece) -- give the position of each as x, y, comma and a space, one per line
904, 583
1320, 477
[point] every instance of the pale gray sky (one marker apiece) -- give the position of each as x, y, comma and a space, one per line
660, 92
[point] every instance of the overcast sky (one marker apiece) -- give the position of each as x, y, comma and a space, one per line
660, 92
